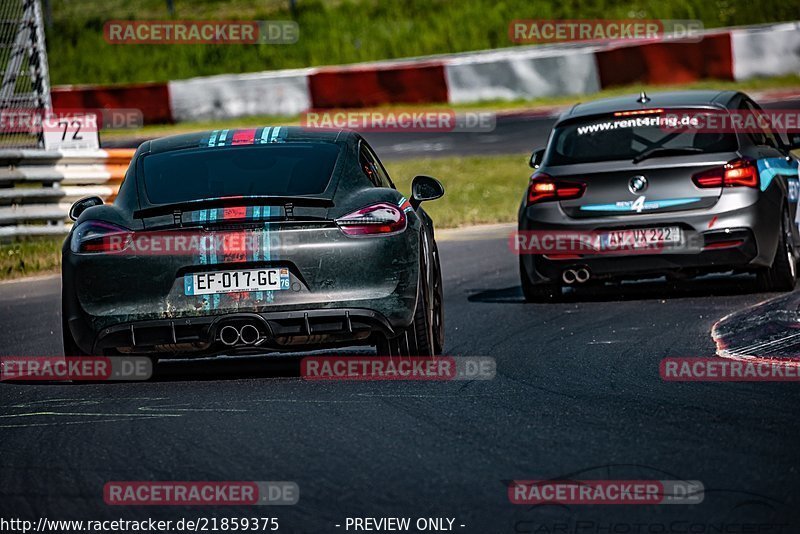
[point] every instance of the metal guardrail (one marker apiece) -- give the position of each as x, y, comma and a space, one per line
37, 187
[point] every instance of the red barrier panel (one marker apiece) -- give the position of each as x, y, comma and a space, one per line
373, 86
667, 63
151, 98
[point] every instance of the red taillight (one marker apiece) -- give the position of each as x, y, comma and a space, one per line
378, 219
544, 188
736, 173
99, 237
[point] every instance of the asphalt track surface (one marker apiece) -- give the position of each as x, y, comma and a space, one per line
577, 394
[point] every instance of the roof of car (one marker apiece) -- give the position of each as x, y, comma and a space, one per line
244, 136
672, 99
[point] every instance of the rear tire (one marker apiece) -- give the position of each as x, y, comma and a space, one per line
782, 275
70, 347
421, 334
544, 292
438, 307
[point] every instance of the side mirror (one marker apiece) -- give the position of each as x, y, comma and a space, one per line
425, 188
536, 158
82, 205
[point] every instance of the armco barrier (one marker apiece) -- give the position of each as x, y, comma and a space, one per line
240, 95
771, 50
521, 74
38, 187
152, 99
667, 62
363, 86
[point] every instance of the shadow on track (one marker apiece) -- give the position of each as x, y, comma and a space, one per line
708, 286
267, 365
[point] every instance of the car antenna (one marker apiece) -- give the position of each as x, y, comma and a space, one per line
643, 98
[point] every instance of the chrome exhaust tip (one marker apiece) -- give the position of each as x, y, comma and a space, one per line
229, 335
569, 276
582, 275
249, 334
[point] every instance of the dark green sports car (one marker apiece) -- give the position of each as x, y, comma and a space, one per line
253, 240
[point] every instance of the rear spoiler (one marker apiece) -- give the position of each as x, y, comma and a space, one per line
209, 203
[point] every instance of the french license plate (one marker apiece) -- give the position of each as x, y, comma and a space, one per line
641, 237
236, 281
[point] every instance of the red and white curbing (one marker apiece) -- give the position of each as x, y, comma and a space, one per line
523, 72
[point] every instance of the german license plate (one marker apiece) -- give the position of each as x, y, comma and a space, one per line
236, 281
640, 237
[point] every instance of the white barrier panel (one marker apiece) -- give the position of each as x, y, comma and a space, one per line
522, 74
279, 93
766, 51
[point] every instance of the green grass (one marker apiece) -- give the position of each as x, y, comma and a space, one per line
29, 256
338, 32
478, 189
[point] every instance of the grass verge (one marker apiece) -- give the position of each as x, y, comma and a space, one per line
29, 256
334, 32
480, 190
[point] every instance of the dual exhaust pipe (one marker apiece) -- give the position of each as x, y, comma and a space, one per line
573, 276
247, 334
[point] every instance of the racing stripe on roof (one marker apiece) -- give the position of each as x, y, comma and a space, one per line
243, 137
212, 139
405, 205
275, 133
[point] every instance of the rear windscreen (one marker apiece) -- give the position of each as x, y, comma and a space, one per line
271, 170
626, 137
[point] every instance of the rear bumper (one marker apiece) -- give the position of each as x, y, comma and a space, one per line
740, 257
754, 220
200, 335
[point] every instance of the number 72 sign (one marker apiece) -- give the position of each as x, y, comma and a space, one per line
66, 132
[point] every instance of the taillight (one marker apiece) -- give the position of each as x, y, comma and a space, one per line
544, 188
98, 237
736, 173
378, 219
